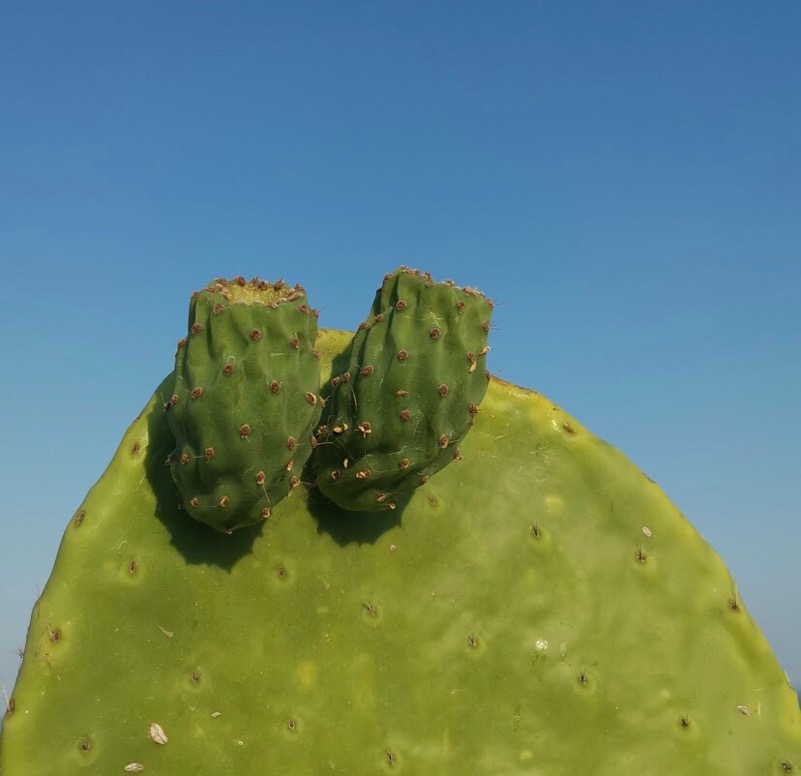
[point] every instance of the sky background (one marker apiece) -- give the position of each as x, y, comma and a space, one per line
623, 178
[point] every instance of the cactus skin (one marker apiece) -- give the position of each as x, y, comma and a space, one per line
414, 380
245, 400
505, 626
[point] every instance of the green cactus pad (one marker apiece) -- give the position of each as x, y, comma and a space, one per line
414, 378
540, 609
245, 400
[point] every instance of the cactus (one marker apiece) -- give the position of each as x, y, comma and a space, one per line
541, 608
413, 381
245, 400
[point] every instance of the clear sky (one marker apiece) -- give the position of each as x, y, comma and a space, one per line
624, 178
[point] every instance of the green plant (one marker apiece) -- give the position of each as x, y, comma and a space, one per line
244, 402
537, 607
414, 377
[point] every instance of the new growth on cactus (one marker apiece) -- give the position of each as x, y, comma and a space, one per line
537, 609
414, 378
245, 400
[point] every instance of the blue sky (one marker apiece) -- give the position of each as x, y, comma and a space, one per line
624, 178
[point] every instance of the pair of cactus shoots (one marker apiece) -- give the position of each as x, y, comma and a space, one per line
247, 409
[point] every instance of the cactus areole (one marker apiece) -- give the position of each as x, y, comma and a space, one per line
237, 594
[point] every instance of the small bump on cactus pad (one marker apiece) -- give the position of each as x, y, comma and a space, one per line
415, 375
244, 403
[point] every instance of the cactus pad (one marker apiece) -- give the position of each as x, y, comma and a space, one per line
415, 376
245, 400
539, 610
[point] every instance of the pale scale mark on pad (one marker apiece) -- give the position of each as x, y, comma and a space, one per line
156, 733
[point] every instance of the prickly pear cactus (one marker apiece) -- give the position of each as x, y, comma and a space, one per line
540, 609
413, 380
245, 400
